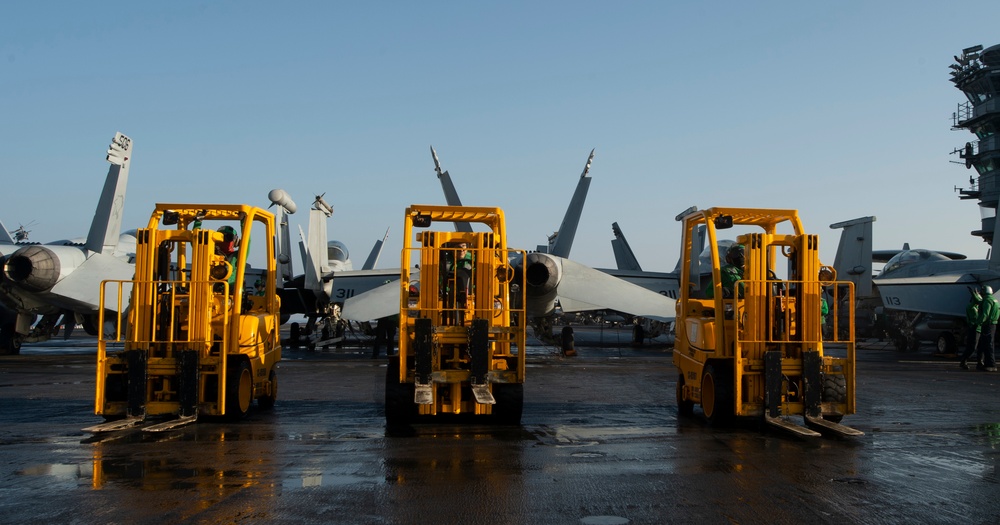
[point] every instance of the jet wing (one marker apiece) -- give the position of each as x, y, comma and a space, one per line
349, 283
584, 288
374, 304
79, 290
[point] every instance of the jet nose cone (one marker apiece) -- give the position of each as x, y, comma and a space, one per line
34, 268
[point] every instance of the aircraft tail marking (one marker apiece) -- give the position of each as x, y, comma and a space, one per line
107, 223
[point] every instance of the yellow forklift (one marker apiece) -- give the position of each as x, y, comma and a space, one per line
755, 349
462, 332
195, 333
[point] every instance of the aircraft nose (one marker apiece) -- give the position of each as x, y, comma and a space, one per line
34, 268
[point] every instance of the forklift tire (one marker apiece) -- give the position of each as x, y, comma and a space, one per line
510, 403
399, 407
267, 402
685, 407
716, 395
834, 390
239, 390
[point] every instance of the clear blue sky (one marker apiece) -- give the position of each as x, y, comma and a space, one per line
838, 109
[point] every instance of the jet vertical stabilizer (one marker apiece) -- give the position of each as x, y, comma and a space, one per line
853, 261
317, 262
563, 242
5, 237
450, 193
106, 226
372, 259
624, 257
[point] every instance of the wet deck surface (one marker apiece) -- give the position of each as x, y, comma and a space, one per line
600, 443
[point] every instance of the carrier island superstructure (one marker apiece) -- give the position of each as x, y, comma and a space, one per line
976, 73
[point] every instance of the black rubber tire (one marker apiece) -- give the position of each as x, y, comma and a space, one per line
716, 395
510, 403
10, 341
566, 339
684, 407
399, 406
239, 389
638, 334
835, 391
946, 344
294, 332
267, 402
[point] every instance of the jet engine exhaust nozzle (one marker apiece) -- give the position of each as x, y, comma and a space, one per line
33, 268
542, 273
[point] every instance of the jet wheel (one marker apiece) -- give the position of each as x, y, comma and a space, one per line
946, 344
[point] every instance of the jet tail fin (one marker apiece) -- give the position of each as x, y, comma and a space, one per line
853, 261
372, 259
316, 241
5, 237
624, 257
696, 249
563, 242
450, 193
107, 223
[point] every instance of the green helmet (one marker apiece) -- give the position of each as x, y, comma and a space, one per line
229, 238
735, 254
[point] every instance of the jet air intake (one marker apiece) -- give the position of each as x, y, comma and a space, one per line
34, 268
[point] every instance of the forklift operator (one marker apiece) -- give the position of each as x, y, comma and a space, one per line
731, 272
456, 266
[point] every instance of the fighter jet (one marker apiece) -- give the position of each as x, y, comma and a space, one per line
329, 279
920, 286
550, 275
918, 295
61, 279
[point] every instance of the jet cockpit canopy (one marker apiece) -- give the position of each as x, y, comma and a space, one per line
907, 257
